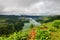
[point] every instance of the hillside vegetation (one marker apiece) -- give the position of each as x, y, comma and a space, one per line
47, 31
11, 28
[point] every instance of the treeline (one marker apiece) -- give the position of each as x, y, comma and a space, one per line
46, 19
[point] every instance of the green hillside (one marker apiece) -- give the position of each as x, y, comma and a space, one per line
47, 31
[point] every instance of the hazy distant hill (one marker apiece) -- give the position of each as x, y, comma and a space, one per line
28, 16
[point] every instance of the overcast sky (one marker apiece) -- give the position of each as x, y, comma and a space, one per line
30, 7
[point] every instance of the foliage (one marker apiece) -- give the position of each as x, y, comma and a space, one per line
16, 36
56, 23
8, 27
42, 34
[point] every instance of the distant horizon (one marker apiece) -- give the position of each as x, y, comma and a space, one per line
28, 15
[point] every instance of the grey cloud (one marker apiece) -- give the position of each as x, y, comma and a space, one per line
30, 7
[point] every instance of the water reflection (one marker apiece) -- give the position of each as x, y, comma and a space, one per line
31, 21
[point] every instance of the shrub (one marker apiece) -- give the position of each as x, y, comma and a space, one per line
56, 23
42, 35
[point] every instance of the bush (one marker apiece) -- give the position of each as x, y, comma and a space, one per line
42, 35
56, 23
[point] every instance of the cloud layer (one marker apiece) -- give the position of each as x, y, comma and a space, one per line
29, 7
